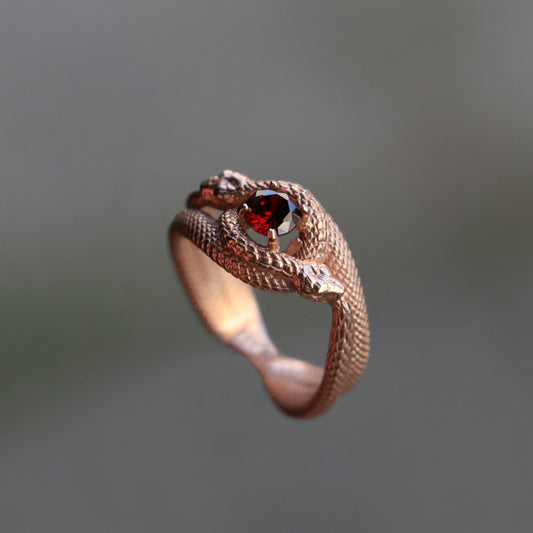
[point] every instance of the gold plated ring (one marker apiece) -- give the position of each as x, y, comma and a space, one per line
218, 263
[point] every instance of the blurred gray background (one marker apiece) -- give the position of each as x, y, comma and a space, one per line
412, 122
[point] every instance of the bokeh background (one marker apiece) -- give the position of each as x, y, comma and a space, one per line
411, 121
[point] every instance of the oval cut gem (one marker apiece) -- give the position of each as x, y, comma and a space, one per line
270, 209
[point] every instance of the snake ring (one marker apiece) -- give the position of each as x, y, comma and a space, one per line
219, 263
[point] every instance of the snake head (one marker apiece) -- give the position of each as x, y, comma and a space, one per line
226, 190
316, 283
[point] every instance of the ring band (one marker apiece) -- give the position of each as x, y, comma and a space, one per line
218, 263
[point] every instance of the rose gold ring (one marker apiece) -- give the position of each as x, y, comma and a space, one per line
218, 263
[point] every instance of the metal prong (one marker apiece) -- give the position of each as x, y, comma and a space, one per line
304, 219
273, 240
242, 210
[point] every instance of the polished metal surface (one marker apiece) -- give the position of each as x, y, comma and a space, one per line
218, 263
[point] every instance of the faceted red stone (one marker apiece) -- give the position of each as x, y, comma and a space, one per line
272, 210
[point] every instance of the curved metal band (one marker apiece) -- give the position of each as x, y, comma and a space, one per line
218, 263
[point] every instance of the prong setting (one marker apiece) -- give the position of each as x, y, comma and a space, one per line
242, 210
273, 240
303, 224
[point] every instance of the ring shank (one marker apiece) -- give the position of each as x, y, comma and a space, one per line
229, 309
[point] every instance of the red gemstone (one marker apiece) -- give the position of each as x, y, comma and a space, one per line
270, 209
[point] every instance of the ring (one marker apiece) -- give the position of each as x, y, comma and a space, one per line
219, 263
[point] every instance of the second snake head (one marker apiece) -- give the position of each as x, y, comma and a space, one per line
316, 283
228, 189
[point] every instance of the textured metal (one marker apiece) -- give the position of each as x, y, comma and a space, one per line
318, 265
